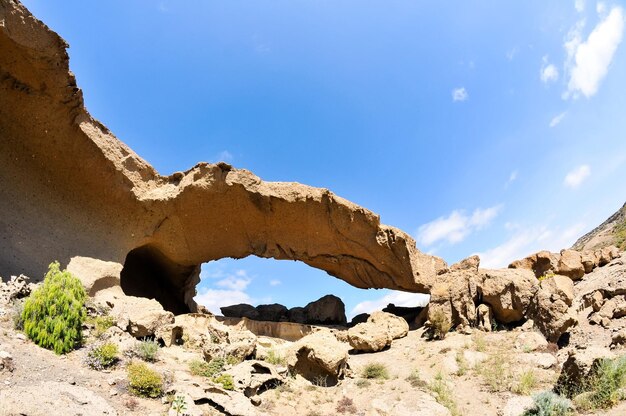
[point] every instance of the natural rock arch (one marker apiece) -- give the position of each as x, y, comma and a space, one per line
71, 188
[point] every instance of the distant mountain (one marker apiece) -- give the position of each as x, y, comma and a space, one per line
611, 231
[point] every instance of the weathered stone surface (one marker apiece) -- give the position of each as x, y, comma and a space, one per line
114, 206
95, 274
396, 326
242, 310
471, 263
603, 235
274, 312
530, 341
6, 362
17, 287
329, 310
570, 264
227, 402
580, 365
377, 333
508, 292
251, 376
319, 355
550, 309
484, 317
455, 295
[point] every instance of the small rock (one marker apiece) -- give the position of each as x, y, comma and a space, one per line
71, 381
113, 392
20, 336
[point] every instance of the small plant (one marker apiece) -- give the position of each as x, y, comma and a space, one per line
274, 358
480, 344
496, 373
232, 360
527, 382
461, 364
18, 319
548, 403
376, 371
102, 356
100, 324
204, 369
146, 349
144, 382
53, 314
415, 380
179, 405
362, 383
605, 387
320, 381
443, 394
439, 324
547, 275
346, 405
226, 380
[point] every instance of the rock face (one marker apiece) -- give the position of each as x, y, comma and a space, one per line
319, 355
605, 234
569, 263
115, 207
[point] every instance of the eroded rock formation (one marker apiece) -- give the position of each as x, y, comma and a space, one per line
71, 188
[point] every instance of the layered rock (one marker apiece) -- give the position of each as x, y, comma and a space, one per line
115, 207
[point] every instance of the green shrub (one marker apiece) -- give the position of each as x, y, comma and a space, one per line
100, 324
102, 356
375, 370
605, 387
439, 324
275, 358
443, 394
619, 231
527, 381
53, 314
415, 380
144, 382
202, 368
146, 349
18, 319
548, 403
226, 380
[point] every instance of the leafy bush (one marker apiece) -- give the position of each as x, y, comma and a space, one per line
144, 382
202, 368
548, 403
100, 324
179, 405
605, 387
375, 370
146, 349
53, 314
102, 356
439, 324
226, 380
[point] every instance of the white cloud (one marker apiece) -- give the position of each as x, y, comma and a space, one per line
238, 281
589, 61
224, 156
557, 119
510, 55
456, 226
528, 240
459, 94
512, 178
601, 8
396, 297
575, 177
548, 72
275, 282
579, 5
213, 299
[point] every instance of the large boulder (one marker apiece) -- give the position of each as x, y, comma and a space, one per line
274, 312
94, 274
252, 376
509, 292
328, 310
570, 264
377, 333
242, 310
455, 297
550, 309
319, 356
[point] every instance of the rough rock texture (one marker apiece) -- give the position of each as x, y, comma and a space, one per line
509, 293
550, 308
95, 274
580, 365
329, 310
604, 234
251, 377
377, 333
319, 355
114, 206
456, 295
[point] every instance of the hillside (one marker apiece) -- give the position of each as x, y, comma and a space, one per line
610, 232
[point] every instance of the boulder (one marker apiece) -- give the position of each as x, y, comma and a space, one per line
580, 366
570, 265
241, 344
550, 309
6, 362
252, 377
296, 315
541, 263
471, 264
227, 402
242, 310
378, 332
274, 312
509, 293
328, 310
319, 355
396, 326
455, 296
530, 341
484, 317
94, 274
17, 287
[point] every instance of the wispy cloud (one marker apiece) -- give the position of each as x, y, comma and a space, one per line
225, 288
512, 178
224, 156
455, 227
548, 72
527, 240
579, 5
575, 177
238, 281
557, 119
459, 94
275, 282
588, 62
395, 297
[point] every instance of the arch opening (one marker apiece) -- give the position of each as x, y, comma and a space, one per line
148, 273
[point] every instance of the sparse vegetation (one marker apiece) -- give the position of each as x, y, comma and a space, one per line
443, 394
179, 405
547, 275
275, 358
54, 313
346, 405
415, 380
362, 383
232, 360
480, 344
605, 387
100, 324
18, 318
146, 349
439, 324
143, 381
204, 369
619, 232
496, 373
320, 381
461, 363
548, 403
375, 371
226, 380
526, 383
100, 357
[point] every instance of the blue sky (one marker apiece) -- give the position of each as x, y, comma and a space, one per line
483, 127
